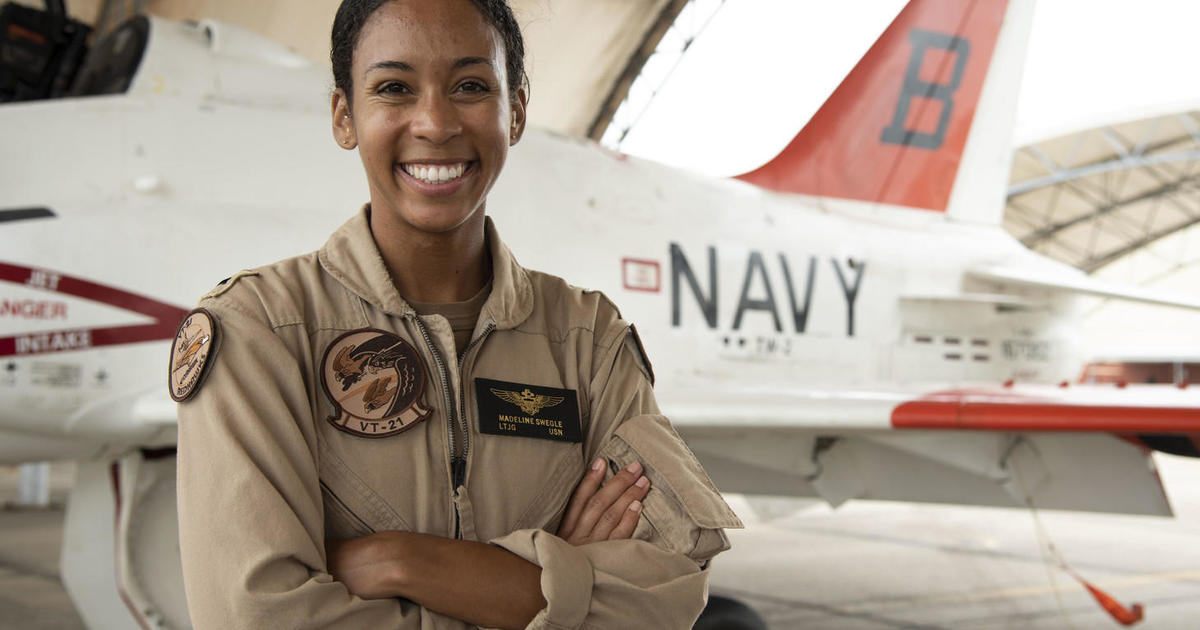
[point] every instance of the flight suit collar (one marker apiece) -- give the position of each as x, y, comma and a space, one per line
352, 257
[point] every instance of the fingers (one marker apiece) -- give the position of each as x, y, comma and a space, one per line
602, 503
620, 519
584, 491
629, 521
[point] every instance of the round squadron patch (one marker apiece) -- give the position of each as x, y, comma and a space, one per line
374, 380
194, 344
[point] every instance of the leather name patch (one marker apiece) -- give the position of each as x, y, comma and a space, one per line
546, 413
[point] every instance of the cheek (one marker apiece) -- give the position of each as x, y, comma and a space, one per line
497, 128
376, 135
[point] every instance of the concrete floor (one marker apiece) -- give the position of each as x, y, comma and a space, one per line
31, 594
863, 566
876, 565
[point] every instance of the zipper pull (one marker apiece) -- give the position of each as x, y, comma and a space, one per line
458, 469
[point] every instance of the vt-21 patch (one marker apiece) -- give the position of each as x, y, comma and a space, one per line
546, 413
375, 380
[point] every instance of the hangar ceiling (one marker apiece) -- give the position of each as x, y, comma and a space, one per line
1092, 197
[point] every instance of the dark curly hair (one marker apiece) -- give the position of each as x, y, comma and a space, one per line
352, 15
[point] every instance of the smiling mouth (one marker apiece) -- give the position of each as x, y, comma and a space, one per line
436, 173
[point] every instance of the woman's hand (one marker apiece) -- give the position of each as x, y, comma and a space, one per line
605, 510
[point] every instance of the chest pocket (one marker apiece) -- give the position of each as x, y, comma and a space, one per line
521, 482
527, 455
341, 521
352, 507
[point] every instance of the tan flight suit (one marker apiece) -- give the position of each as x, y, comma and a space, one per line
264, 478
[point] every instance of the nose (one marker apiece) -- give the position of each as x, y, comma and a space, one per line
436, 120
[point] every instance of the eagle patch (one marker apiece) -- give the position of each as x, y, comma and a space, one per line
547, 413
195, 342
375, 380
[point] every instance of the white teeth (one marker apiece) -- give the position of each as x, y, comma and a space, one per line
435, 174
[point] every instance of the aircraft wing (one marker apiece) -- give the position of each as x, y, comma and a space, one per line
1078, 448
1082, 284
108, 425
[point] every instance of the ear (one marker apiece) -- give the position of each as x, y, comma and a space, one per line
343, 124
517, 128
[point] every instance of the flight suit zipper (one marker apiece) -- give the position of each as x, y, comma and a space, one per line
462, 402
448, 404
458, 461
460, 464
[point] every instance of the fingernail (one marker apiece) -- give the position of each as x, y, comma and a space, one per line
636, 506
635, 467
642, 483
598, 464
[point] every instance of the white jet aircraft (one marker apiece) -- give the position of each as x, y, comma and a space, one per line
848, 321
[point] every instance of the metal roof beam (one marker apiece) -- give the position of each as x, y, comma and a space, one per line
1093, 264
1036, 237
1066, 174
620, 88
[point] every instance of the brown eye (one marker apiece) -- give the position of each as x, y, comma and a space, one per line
474, 87
394, 88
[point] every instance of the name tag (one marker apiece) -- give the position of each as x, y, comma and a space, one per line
546, 413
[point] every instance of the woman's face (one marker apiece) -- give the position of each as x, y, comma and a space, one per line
431, 115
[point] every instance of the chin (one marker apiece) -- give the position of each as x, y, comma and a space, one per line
438, 221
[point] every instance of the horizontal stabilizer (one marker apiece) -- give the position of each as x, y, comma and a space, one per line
1085, 285
996, 299
1081, 447
1153, 409
1133, 409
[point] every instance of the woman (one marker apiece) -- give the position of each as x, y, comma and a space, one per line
367, 413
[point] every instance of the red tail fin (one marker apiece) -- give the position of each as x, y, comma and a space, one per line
894, 131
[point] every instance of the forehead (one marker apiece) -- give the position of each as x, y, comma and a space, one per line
427, 31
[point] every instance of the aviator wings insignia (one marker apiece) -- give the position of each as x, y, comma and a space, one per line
528, 401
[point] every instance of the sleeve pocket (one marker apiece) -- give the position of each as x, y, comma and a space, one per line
683, 511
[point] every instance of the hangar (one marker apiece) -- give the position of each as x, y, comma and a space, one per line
1141, 164
1119, 199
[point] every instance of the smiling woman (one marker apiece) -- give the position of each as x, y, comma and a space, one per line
411, 429
427, 98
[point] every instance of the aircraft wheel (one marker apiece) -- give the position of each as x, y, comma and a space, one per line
723, 613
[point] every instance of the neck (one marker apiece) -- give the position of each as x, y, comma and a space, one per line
449, 266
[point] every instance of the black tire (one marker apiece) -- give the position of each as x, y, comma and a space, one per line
723, 613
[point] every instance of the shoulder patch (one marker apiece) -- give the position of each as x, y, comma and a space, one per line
191, 353
228, 283
641, 353
375, 380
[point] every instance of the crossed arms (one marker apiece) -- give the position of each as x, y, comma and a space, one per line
475, 582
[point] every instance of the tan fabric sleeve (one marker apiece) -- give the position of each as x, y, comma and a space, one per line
250, 509
659, 578
612, 584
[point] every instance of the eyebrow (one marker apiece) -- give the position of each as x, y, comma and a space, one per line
389, 65
405, 67
471, 61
